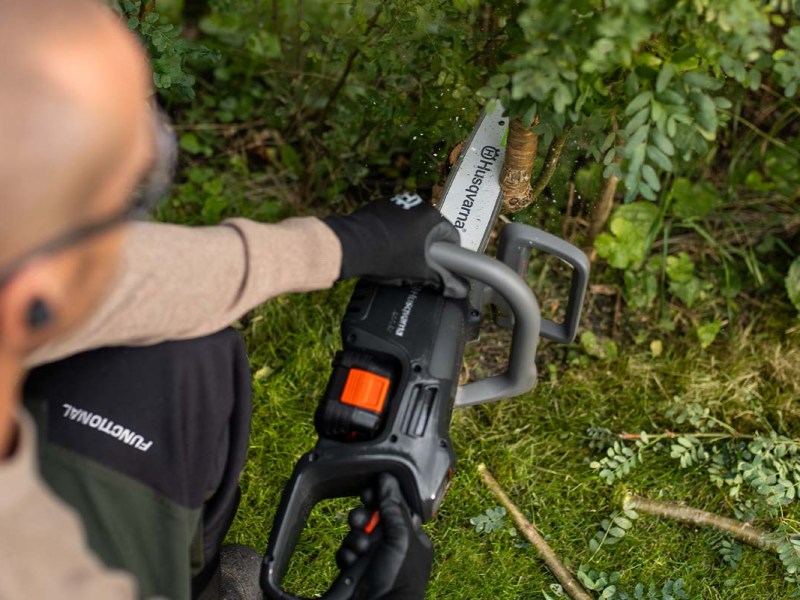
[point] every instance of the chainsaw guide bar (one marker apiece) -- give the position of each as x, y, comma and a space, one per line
472, 196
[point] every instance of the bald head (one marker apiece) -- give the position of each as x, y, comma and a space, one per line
73, 117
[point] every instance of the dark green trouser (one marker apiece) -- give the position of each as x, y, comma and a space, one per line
147, 445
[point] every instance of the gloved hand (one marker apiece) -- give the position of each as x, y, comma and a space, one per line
398, 552
388, 240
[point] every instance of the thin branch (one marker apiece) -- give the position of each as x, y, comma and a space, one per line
550, 164
671, 435
348, 67
602, 206
755, 129
744, 532
145, 8
276, 19
235, 126
543, 549
565, 226
703, 435
298, 34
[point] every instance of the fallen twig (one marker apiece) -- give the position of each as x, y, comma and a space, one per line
744, 532
543, 549
704, 435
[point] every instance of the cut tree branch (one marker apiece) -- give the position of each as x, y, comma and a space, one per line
744, 532
515, 179
571, 585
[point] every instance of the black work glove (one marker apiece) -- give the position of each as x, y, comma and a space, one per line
388, 240
398, 552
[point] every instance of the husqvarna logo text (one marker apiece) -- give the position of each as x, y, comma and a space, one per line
489, 155
407, 201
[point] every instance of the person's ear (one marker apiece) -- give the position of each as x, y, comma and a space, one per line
28, 308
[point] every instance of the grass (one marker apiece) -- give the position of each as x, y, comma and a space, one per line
537, 448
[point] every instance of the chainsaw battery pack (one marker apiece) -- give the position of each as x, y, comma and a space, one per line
354, 405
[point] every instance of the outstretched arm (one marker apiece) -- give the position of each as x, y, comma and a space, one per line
180, 282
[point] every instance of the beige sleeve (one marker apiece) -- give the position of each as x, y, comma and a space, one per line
43, 551
180, 282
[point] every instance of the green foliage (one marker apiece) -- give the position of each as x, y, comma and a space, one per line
730, 551
683, 283
692, 200
689, 451
352, 85
494, 519
787, 540
626, 245
760, 473
598, 348
612, 530
787, 61
167, 49
707, 333
607, 585
206, 196
619, 460
649, 83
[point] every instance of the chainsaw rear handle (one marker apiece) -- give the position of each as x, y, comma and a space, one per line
514, 249
520, 375
310, 484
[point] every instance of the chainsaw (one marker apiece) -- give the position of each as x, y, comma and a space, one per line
394, 385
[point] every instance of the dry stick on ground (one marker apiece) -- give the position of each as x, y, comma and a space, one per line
744, 532
571, 585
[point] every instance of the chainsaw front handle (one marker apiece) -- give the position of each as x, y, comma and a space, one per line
520, 376
514, 249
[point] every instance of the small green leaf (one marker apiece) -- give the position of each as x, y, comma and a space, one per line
651, 177
639, 102
601, 348
500, 80
692, 200
684, 53
659, 158
664, 77
190, 143
608, 141
617, 532
707, 333
623, 522
647, 192
701, 80
663, 142
637, 121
